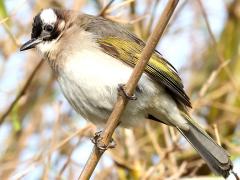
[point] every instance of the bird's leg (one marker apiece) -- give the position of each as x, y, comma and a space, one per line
97, 141
235, 175
122, 92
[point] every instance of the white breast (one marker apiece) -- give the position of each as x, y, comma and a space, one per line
93, 68
90, 79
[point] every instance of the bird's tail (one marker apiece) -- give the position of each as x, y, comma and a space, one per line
215, 156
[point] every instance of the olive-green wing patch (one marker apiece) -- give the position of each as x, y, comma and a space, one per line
158, 68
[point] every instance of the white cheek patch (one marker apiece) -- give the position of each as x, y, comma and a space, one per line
48, 16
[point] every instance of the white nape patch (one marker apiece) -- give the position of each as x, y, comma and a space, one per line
48, 16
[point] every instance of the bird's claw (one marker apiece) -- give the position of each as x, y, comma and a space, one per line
235, 175
122, 92
96, 140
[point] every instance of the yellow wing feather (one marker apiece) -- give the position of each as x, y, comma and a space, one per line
158, 68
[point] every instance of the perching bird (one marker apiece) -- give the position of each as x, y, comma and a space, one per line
91, 56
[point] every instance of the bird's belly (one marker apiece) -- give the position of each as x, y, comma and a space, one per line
90, 80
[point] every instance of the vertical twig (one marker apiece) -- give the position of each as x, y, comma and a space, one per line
215, 128
53, 141
152, 135
118, 109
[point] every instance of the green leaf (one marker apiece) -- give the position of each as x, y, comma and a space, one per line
15, 119
3, 10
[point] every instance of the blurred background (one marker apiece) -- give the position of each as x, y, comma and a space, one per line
41, 137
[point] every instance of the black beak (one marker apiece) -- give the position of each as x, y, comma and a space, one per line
30, 44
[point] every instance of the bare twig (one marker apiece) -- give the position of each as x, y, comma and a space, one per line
153, 14
153, 138
79, 132
14, 11
118, 109
224, 107
208, 83
214, 41
21, 174
22, 92
212, 77
196, 166
104, 10
118, 19
53, 141
170, 146
68, 159
180, 171
10, 34
215, 128
118, 6
4, 20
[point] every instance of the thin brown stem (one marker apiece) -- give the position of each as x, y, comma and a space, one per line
104, 10
22, 92
214, 41
118, 109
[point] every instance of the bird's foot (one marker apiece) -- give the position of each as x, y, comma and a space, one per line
235, 175
122, 92
96, 140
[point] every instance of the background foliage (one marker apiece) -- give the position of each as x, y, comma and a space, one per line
41, 137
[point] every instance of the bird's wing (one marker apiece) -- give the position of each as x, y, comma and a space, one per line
118, 42
158, 68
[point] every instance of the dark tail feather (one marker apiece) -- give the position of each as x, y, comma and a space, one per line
214, 155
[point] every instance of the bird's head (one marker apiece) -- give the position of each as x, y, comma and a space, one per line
47, 27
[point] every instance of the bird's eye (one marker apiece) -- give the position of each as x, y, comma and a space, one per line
48, 28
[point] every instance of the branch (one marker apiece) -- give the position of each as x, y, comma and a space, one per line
215, 45
104, 10
22, 92
118, 109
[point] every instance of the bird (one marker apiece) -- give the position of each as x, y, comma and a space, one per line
93, 57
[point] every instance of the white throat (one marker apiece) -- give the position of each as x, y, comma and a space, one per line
46, 47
